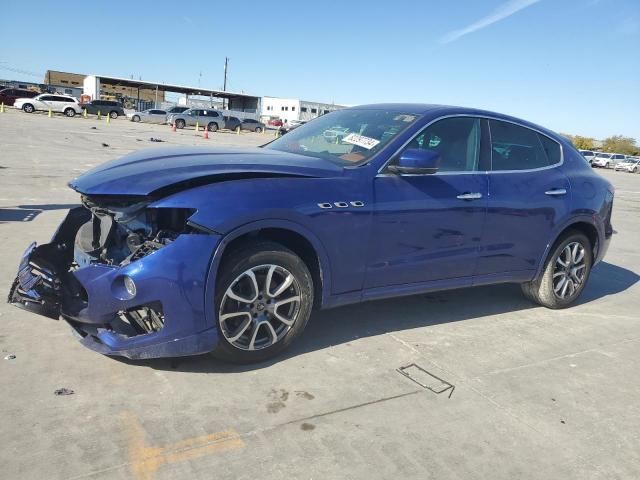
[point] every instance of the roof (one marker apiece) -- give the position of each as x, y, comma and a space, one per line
440, 110
167, 87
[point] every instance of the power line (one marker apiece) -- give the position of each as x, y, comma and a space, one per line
21, 71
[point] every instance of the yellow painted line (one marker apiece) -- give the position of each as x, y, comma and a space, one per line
146, 460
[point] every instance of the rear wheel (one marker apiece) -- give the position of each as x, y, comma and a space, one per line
179, 123
28, 108
113, 114
69, 112
566, 271
264, 297
258, 130
212, 127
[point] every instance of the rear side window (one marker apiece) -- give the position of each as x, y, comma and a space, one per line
457, 140
551, 148
516, 148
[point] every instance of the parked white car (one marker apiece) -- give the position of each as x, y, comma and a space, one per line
631, 165
588, 155
47, 101
607, 160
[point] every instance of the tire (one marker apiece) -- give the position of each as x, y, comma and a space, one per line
70, 112
179, 124
258, 130
548, 288
135, 118
244, 334
212, 127
28, 108
113, 114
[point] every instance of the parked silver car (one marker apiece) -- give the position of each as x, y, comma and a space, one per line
213, 119
150, 116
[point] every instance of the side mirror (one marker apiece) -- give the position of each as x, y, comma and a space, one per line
415, 161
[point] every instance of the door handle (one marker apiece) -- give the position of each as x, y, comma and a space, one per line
556, 192
469, 196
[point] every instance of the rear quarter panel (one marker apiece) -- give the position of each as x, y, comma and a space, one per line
591, 196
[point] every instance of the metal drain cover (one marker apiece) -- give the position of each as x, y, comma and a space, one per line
426, 380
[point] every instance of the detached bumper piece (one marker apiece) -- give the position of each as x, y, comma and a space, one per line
152, 306
36, 288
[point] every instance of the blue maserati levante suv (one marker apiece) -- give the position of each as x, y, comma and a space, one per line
183, 251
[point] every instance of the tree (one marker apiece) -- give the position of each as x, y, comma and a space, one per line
620, 144
581, 143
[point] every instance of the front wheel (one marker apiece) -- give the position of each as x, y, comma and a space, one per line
179, 123
28, 108
135, 118
70, 112
565, 273
264, 297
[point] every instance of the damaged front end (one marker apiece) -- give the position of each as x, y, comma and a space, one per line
129, 278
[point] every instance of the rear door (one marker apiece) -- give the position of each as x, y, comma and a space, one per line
528, 196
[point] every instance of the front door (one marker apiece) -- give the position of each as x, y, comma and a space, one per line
428, 227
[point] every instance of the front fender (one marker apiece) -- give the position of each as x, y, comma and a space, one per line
340, 235
325, 267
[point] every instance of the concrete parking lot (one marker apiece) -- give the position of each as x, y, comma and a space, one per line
539, 394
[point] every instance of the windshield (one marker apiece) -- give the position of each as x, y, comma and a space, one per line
345, 137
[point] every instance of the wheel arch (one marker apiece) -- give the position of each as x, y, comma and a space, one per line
584, 225
291, 235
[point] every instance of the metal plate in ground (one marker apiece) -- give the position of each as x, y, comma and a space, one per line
426, 380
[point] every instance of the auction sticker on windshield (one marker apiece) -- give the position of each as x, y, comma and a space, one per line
361, 141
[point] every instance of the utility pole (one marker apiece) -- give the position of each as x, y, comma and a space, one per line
226, 63
224, 85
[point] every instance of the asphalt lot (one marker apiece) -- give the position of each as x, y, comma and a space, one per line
538, 393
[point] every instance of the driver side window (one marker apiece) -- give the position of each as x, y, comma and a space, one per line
456, 139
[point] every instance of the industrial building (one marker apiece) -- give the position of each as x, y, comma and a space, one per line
108, 89
143, 94
293, 109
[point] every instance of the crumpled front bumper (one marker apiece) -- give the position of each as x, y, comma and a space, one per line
90, 298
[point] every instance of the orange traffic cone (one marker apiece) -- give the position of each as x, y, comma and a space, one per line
173, 127
206, 133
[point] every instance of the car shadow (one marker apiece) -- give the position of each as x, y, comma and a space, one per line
346, 324
26, 213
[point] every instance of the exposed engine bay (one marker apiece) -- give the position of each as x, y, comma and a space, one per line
120, 232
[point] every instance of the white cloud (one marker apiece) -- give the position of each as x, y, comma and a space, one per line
503, 11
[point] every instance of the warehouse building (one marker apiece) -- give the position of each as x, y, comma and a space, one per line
108, 90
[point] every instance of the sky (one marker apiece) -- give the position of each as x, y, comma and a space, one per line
569, 65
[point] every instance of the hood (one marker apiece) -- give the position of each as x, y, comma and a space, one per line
157, 170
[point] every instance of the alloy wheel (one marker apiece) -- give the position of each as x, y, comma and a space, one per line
569, 272
259, 307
